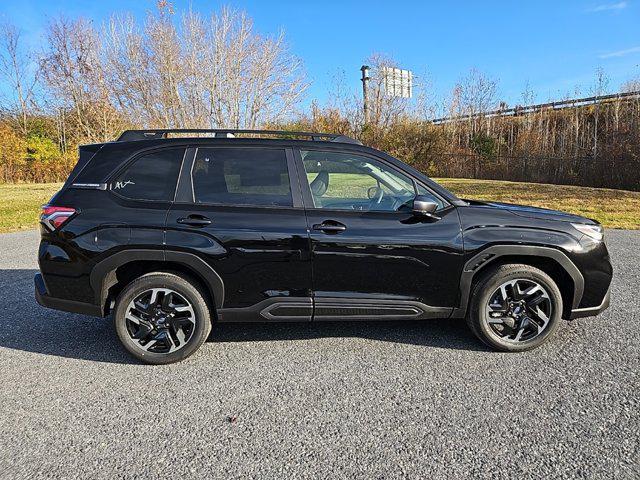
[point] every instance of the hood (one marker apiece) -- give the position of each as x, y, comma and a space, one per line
536, 212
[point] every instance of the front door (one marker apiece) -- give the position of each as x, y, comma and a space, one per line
236, 208
372, 258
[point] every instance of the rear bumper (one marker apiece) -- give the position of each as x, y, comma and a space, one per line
592, 311
43, 298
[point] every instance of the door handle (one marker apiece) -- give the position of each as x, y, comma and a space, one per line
333, 227
194, 220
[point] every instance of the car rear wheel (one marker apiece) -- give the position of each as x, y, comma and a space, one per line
162, 318
514, 307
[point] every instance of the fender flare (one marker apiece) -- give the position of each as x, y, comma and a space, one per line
483, 258
102, 275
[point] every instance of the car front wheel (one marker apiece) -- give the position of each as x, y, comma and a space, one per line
514, 307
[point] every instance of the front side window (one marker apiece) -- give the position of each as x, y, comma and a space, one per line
347, 181
151, 177
241, 176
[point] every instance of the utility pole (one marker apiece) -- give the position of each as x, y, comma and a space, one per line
365, 94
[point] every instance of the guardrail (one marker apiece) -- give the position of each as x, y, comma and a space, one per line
524, 110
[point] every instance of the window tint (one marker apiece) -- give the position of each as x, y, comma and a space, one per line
241, 176
347, 181
151, 177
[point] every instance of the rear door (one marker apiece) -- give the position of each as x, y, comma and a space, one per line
142, 190
239, 208
372, 258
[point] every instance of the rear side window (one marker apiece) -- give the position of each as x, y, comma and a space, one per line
241, 176
151, 177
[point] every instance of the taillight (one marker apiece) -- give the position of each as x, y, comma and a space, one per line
54, 217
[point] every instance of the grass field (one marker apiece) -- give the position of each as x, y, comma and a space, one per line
20, 204
612, 208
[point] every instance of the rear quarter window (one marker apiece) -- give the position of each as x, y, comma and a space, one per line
152, 176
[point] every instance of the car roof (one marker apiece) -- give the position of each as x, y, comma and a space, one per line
163, 133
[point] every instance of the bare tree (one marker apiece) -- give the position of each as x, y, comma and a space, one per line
427, 104
477, 93
201, 72
19, 72
631, 85
599, 88
73, 69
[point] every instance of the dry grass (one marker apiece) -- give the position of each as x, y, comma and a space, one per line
612, 208
20, 203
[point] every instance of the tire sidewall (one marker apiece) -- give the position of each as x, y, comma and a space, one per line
488, 287
181, 286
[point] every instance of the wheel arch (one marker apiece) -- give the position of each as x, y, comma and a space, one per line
553, 262
109, 276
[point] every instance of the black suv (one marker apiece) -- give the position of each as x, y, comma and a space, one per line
170, 235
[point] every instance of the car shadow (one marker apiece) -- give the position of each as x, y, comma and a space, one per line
438, 333
26, 326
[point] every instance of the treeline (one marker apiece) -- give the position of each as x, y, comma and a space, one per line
595, 145
88, 83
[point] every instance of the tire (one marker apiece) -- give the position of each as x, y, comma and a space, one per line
514, 326
168, 315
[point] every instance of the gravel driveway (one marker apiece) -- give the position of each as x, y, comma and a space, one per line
329, 400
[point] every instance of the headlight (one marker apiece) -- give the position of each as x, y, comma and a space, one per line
594, 231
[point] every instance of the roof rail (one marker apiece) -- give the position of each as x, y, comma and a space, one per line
152, 134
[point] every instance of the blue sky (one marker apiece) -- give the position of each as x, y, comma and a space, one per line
553, 46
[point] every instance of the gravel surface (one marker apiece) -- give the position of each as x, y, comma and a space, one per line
337, 400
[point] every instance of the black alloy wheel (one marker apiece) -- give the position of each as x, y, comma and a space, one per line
162, 317
160, 320
519, 310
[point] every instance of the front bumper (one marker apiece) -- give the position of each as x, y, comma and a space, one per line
43, 298
592, 311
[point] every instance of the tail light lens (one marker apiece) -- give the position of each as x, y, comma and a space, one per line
55, 217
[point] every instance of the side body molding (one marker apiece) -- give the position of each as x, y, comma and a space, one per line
480, 260
102, 276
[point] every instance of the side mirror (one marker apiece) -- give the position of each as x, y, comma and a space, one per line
423, 206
